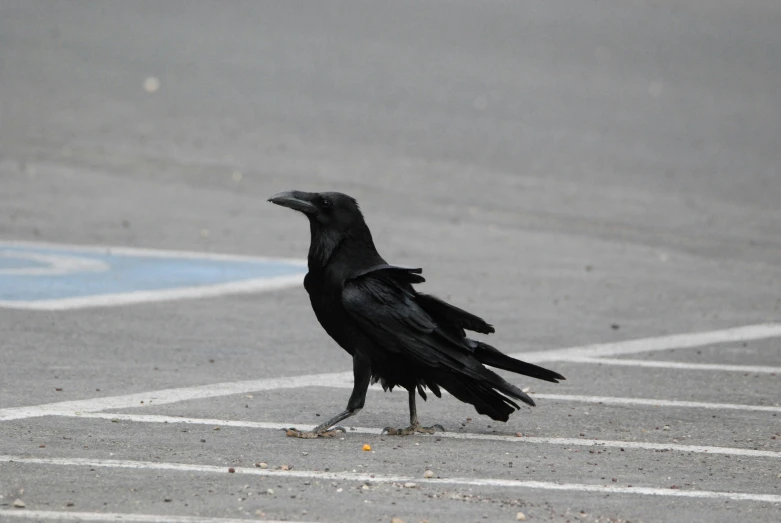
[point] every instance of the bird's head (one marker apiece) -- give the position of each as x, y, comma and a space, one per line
333, 218
327, 210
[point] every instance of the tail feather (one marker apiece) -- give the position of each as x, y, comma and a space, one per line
482, 396
490, 394
491, 356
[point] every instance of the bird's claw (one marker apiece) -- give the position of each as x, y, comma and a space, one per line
330, 433
412, 429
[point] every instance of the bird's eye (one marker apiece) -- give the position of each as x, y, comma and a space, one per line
325, 203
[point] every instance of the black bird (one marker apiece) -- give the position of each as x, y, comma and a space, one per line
396, 335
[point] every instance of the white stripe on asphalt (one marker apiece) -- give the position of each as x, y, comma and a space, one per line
344, 379
573, 442
675, 341
162, 397
148, 253
70, 408
52, 515
609, 400
381, 478
750, 369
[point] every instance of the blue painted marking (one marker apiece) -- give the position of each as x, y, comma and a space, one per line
16, 263
125, 273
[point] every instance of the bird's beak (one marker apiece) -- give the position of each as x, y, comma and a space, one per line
295, 200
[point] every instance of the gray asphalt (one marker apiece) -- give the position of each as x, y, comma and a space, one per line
556, 167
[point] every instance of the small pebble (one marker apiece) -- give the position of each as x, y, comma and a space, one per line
262, 465
269, 491
339, 489
410, 485
151, 84
231, 470
397, 520
520, 516
18, 503
428, 474
367, 447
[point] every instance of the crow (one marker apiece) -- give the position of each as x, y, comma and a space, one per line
395, 335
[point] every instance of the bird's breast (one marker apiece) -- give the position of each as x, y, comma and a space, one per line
326, 303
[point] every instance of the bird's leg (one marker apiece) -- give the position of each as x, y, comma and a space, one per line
362, 374
322, 430
414, 424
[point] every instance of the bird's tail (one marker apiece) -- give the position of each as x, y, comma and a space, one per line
490, 394
488, 355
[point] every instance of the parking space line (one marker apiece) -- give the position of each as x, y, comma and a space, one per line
340, 380
54, 515
654, 344
751, 369
166, 396
335, 380
344, 379
574, 442
382, 478
609, 400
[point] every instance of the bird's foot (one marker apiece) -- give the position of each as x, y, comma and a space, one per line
412, 429
325, 433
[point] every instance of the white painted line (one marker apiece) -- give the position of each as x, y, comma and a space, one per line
381, 478
162, 397
337, 380
52, 515
178, 293
345, 379
675, 341
750, 369
568, 442
57, 264
149, 253
608, 400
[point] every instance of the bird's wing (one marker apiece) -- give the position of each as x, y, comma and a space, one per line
405, 274
446, 314
385, 308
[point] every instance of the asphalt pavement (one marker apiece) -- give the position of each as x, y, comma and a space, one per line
600, 176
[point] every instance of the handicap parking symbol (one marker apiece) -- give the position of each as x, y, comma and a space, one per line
40, 276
